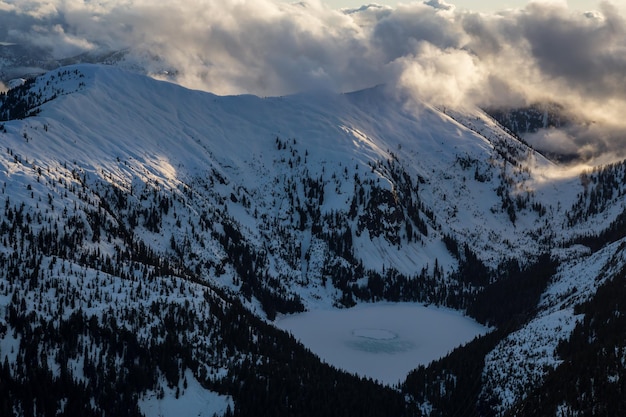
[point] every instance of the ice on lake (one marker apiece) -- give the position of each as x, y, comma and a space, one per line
382, 341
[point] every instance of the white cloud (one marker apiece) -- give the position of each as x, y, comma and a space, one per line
429, 49
439, 76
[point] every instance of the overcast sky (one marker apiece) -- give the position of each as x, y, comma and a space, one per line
428, 50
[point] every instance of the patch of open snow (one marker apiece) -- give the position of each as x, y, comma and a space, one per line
381, 341
9, 346
16, 82
193, 401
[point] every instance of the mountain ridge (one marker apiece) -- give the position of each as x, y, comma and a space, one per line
281, 204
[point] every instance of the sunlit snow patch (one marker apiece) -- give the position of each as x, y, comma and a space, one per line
381, 341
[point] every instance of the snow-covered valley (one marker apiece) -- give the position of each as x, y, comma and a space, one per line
163, 236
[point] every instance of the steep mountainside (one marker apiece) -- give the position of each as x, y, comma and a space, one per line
532, 118
150, 235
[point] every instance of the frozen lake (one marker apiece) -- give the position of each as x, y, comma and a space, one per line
382, 341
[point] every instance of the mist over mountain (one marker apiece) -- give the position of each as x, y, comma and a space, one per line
430, 51
386, 178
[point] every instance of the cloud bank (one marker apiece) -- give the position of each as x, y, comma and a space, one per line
428, 50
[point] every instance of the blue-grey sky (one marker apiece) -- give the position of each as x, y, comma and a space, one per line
478, 5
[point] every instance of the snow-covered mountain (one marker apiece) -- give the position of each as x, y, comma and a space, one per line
151, 235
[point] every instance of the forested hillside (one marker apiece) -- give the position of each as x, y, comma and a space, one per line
151, 235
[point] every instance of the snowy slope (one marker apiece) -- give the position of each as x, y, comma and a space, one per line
133, 128
526, 356
304, 202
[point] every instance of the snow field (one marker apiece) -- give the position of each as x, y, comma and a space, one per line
193, 401
383, 341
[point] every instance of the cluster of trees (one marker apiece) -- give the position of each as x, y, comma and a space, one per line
602, 186
591, 380
453, 384
529, 119
23, 101
251, 267
512, 298
17, 102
